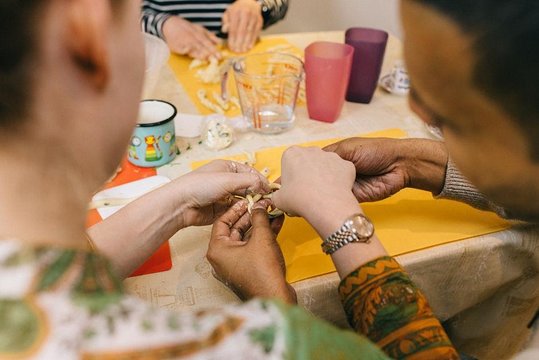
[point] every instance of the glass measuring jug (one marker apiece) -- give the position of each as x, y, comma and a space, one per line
268, 85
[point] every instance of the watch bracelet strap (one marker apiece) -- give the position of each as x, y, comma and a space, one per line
343, 236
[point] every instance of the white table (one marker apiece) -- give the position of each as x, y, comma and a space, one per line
486, 287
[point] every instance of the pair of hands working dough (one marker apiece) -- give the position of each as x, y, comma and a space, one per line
324, 187
242, 21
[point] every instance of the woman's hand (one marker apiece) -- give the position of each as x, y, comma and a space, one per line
245, 255
185, 38
317, 185
209, 191
197, 198
243, 23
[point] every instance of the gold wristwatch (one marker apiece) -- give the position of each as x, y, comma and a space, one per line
356, 229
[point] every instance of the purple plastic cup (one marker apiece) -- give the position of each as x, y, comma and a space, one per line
369, 49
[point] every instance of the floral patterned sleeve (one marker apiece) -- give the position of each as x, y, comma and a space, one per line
382, 303
68, 303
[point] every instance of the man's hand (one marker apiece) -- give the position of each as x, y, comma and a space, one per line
386, 166
245, 255
185, 38
209, 191
243, 23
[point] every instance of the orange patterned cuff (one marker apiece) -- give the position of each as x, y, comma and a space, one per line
382, 303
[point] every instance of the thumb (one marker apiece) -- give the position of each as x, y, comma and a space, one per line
259, 218
330, 147
341, 149
225, 22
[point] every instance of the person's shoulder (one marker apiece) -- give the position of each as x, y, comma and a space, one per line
301, 327
133, 327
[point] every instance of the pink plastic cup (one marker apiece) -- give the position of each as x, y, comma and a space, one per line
327, 71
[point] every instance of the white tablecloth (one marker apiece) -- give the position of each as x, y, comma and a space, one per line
487, 288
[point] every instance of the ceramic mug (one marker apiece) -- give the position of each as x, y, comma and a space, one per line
153, 142
400, 80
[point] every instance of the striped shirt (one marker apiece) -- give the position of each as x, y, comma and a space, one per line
207, 13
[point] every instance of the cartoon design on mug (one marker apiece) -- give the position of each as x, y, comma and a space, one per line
170, 139
132, 152
153, 154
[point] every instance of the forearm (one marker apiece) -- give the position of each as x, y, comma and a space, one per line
152, 20
380, 300
382, 303
135, 232
430, 168
425, 162
276, 10
328, 218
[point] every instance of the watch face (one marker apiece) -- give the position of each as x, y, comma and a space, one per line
362, 227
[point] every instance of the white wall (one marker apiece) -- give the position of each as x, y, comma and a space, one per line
320, 15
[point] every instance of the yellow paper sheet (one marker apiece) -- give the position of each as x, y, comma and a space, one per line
409, 221
180, 66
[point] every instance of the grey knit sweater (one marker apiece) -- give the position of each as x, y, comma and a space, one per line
457, 187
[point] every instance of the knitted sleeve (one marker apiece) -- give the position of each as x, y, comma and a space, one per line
457, 187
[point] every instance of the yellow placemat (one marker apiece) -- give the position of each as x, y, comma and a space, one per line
408, 221
187, 77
